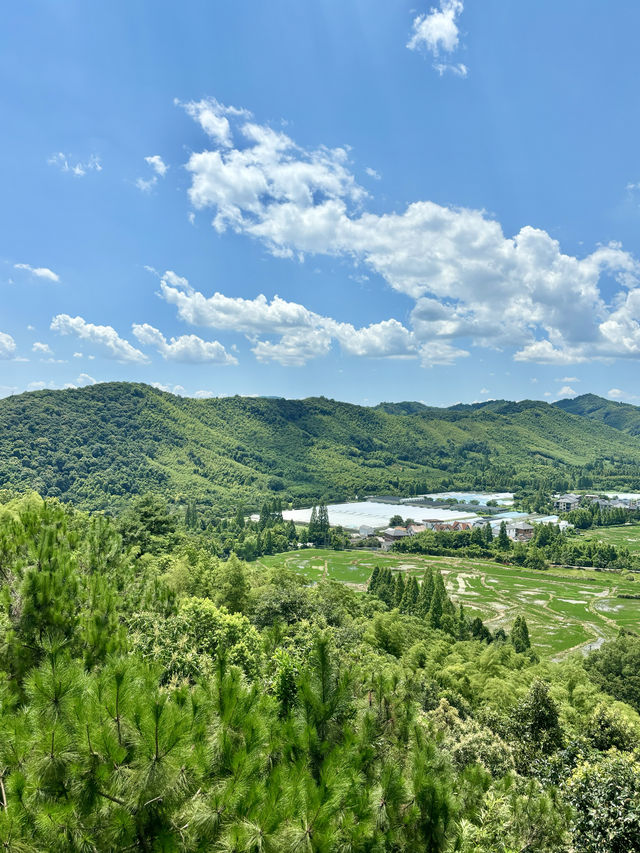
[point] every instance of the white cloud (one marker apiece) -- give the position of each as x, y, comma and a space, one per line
471, 283
438, 32
7, 345
157, 164
159, 167
105, 336
186, 348
45, 349
148, 185
204, 395
439, 353
619, 394
36, 386
567, 391
372, 173
78, 169
568, 379
85, 379
78, 355
169, 389
301, 334
212, 117
39, 272
457, 68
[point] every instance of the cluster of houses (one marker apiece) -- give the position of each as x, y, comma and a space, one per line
565, 503
518, 531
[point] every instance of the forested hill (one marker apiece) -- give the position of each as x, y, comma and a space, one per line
98, 445
622, 416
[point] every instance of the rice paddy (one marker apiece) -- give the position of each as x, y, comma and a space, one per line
566, 610
622, 536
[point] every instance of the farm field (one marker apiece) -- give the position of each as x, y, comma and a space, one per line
622, 536
566, 610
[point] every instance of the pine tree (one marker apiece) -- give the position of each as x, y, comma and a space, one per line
313, 526
323, 524
437, 602
374, 579
410, 596
520, 635
265, 516
426, 593
398, 592
503, 542
488, 534
463, 625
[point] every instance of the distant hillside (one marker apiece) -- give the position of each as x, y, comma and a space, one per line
99, 445
622, 416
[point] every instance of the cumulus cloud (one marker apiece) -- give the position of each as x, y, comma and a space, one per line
619, 394
300, 334
45, 349
7, 345
169, 389
78, 169
213, 117
84, 379
472, 285
104, 336
39, 272
186, 348
567, 391
438, 32
203, 394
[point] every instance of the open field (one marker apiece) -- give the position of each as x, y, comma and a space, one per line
622, 536
566, 610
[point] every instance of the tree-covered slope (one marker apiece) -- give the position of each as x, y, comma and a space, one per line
622, 416
98, 445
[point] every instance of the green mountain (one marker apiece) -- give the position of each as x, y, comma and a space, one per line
97, 446
622, 416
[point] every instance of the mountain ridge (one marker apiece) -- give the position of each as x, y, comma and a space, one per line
98, 445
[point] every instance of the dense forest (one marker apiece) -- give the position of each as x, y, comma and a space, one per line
157, 698
99, 445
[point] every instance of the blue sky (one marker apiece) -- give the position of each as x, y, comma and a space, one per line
370, 201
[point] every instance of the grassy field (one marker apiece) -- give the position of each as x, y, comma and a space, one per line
623, 536
566, 610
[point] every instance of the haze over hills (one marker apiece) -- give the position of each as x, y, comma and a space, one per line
98, 445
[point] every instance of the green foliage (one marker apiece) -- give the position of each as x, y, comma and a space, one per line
100, 445
520, 635
616, 668
137, 713
606, 798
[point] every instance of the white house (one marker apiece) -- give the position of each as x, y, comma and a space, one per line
565, 503
520, 531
